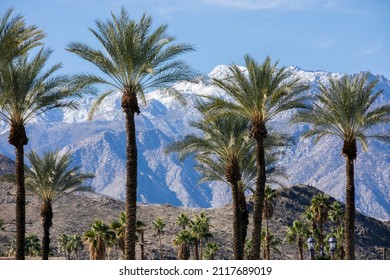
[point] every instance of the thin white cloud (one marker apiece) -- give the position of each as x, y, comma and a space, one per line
369, 51
324, 42
268, 4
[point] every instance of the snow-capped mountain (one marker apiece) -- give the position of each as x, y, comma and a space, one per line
99, 147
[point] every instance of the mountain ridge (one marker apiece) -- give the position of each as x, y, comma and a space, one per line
99, 146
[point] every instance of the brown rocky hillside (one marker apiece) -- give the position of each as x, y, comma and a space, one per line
74, 214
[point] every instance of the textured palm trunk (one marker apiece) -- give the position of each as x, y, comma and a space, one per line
259, 198
47, 218
160, 246
130, 108
18, 138
237, 231
131, 186
142, 244
350, 212
300, 248
196, 249
267, 244
350, 153
244, 216
20, 203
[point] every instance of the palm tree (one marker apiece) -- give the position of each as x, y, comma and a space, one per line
63, 244
211, 249
133, 60
320, 208
258, 95
96, 239
268, 212
141, 227
182, 240
75, 244
50, 178
16, 38
298, 233
119, 226
220, 154
183, 220
346, 109
33, 246
270, 241
159, 226
28, 89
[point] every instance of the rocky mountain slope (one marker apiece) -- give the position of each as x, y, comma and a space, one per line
75, 213
99, 147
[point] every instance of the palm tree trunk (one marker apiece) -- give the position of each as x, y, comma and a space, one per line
300, 248
196, 251
47, 217
159, 239
20, 203
350, 211
237, 230
131, 186
244, 217
142, 246
267, 245
259, 199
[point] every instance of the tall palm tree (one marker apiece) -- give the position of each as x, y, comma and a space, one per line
220, 154
50, 178
27, 89
258, 95
16, 38
346, 109
268, 212
298, 232
319, 206
96, 239
133, 59
159, 226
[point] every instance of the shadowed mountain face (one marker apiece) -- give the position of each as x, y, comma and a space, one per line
75, 213
99, 147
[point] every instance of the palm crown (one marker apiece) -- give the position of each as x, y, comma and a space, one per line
133, 58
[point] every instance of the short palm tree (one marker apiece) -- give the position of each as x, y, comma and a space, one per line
220, 153
50, 178
269, 242
75, 244
182, 240
33, 246
268, 212
119, 226
133, 59
141, 227
96, 239
63, 244
159, 226
16, 38
298, 232
346, 109
258, 95
27, 89
320, 208
211, 249
183, 220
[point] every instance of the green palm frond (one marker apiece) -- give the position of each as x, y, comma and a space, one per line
134, 58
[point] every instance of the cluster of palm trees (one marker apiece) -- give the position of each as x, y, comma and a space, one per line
239, 145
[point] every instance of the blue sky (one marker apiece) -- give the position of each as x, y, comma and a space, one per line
346, 36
